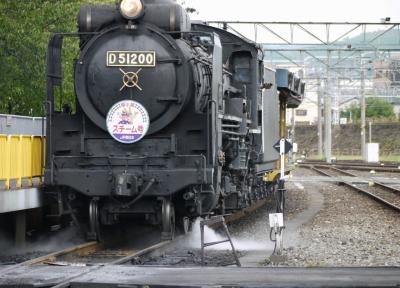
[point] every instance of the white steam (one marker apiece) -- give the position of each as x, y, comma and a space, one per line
240, 242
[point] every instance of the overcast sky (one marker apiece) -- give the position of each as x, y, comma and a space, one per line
296, 10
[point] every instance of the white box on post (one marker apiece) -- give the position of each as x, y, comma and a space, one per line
372, 152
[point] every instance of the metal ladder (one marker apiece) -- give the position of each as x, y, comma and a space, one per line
211, 222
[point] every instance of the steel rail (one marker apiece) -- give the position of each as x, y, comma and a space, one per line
50, 257
81, 248
381, 185
84, 249
66, 282
353, 163
229, 219
358, 189
368, 168
94, 247
357, 166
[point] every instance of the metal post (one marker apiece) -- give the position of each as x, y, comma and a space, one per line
328, 113
281, 184
282, 120
202, 242
282, 117
293, 125
320, 144
293, 135
282, 154
336, 112
232, 246
362, 106
215, 221
279, 241
20, 229
370, 132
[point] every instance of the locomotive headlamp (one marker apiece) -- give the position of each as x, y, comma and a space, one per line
131, 9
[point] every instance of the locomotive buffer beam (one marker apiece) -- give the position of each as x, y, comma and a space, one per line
217, 220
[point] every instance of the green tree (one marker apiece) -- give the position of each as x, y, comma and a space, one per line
24, 34
375, 109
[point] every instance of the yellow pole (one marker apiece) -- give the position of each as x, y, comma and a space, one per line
282, 116
282, 120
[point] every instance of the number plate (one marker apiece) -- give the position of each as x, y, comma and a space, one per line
131, 58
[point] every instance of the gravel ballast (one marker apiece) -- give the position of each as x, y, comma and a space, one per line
351, 230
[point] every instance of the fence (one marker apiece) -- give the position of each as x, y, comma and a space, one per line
22, 125
21, 160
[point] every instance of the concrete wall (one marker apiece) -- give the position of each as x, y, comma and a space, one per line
20, 199
346, 139
20, 125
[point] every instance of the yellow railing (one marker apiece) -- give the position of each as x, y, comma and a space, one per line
20, 159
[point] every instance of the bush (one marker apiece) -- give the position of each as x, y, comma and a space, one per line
375, 109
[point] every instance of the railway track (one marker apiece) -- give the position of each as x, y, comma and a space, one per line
354, 163
387, 195
95, 253
93, 256
92, 253
383, 167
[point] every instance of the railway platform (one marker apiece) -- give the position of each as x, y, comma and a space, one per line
21, 168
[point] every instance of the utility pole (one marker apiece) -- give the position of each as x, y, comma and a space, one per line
370, 132
320, 144
336, 120
336, 97
328, 111
292, 136
293, 124
362, 106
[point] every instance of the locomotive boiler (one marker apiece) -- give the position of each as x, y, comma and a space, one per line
173, 120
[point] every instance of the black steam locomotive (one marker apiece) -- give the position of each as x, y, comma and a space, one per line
173, 119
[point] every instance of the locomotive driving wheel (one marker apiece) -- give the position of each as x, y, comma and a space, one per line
94, 233
168, 220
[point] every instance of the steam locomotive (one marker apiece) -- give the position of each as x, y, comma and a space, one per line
173, 119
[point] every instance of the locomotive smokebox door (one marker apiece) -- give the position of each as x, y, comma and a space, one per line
139, 64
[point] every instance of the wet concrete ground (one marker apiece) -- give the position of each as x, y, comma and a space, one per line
250, 235
303, 203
